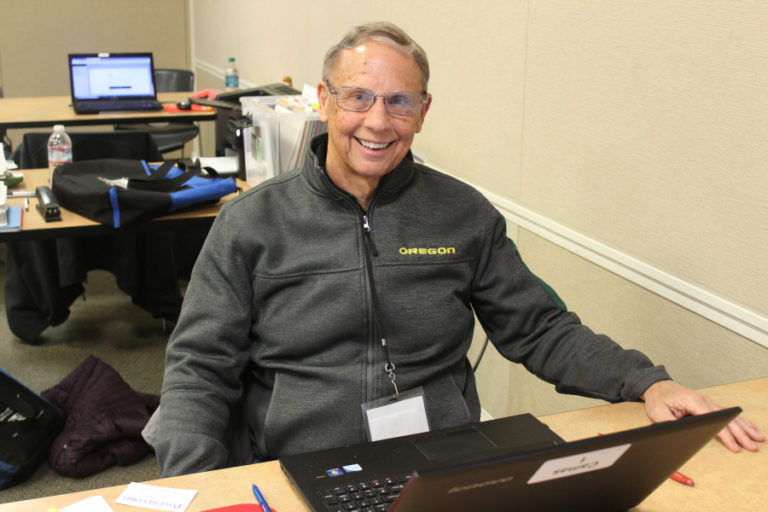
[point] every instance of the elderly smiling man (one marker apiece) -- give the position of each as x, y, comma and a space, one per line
355, 279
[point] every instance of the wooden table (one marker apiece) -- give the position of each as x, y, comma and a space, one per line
34, 226
45, 111
724, 481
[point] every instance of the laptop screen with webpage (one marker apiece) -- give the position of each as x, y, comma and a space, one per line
111, 76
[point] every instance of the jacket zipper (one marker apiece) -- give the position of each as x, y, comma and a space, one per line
369, 244
378, 337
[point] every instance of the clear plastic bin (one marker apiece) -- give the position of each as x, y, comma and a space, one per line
279, 139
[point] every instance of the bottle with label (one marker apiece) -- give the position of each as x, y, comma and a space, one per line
59, 148
231, 76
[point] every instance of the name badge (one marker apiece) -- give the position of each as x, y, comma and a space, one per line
394, 417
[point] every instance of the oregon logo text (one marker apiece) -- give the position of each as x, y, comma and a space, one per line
405, 251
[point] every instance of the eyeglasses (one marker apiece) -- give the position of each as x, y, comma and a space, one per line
398, 103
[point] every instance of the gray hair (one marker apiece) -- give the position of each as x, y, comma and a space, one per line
382, 32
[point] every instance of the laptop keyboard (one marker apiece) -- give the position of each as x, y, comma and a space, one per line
112, 105
373, 496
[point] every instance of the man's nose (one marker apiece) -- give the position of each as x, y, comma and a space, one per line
377, 115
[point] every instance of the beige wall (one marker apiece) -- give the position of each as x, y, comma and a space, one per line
37, 35
649, 116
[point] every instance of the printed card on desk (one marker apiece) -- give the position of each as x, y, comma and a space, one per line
155, 497
92, 504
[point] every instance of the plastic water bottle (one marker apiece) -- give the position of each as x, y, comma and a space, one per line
59, 148
231, 76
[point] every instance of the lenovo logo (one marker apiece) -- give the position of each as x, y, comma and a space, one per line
480, 485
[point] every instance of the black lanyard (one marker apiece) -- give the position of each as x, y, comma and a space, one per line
389, 366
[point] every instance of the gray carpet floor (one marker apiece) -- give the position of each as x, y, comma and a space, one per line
108, 326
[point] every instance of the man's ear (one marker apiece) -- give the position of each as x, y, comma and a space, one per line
322, 99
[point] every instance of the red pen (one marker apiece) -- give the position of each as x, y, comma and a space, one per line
679, 477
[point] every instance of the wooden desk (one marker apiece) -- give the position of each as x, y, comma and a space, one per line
45, 111
724, 481
34, 226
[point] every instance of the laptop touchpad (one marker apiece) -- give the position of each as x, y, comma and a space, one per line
453, 444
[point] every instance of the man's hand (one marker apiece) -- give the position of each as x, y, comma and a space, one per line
667, 400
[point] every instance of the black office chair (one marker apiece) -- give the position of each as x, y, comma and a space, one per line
32, 153
169, 136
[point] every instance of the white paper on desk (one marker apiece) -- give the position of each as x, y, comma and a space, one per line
92, 504
155, 497
227, 165
3, 161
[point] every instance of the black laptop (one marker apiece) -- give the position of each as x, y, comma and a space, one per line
509, 464
109, 82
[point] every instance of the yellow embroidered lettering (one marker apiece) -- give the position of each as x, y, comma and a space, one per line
405, 251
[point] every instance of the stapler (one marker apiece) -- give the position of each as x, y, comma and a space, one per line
47, 204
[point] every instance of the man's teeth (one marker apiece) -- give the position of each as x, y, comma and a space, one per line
373, 145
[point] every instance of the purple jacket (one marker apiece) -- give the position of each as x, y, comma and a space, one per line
104, 420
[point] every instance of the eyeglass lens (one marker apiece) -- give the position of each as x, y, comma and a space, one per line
399, 103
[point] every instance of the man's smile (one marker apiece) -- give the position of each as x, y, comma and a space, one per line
372, 145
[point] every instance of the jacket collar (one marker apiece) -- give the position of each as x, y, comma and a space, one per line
314, 171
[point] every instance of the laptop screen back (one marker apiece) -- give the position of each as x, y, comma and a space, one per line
612, 473
607, 473
111, 76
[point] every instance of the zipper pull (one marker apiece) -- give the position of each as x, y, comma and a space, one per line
367, 235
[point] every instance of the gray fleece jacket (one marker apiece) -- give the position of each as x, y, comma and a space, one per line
275, 349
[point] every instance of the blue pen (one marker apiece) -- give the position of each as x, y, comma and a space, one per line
260, 499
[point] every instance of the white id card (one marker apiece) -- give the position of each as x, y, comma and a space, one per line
394, 417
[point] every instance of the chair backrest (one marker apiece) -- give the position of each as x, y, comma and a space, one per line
32, 153
174, 80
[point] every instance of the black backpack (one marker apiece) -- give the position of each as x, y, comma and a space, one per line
28, 424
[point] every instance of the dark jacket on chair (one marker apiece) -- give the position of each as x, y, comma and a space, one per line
44, 277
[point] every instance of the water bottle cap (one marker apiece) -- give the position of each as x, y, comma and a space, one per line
58, 128
231, 59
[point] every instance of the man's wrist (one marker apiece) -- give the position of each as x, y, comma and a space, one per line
644, 395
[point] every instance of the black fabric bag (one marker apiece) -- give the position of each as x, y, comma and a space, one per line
119, 193
28, 424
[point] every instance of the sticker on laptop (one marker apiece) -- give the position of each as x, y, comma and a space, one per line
349, 468
577, 464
